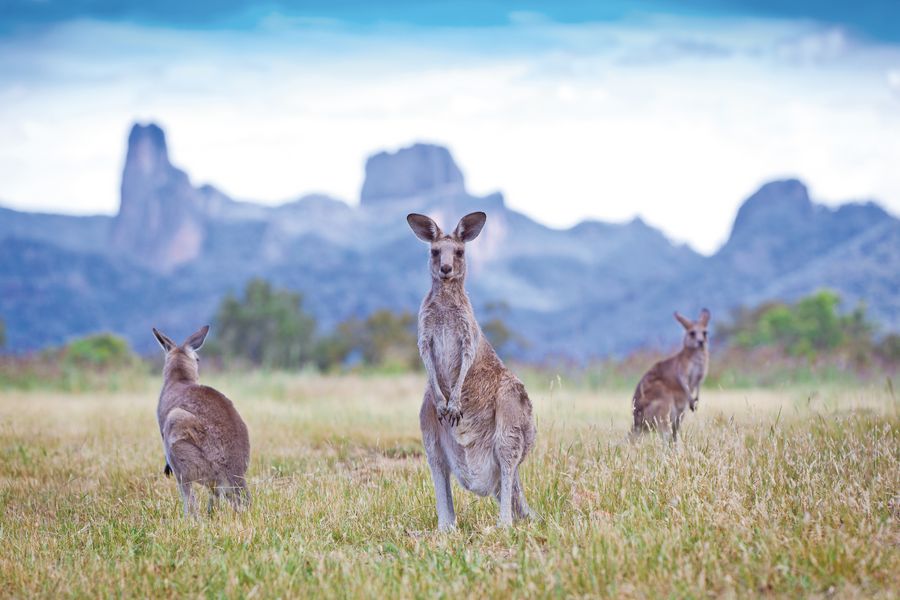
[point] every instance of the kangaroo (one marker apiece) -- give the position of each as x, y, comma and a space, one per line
204, 438
476, 416
673, 384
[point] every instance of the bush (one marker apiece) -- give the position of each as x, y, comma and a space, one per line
96, 362
810, 327
103, 351
889, 348
384, 339
267, 327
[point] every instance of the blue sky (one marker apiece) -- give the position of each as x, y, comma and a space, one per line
674, 112
876, 19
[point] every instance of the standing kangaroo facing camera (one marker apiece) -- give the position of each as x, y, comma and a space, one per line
673, 384
204, 438
476, 416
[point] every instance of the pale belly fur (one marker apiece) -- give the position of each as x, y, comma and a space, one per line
473, 465
469, 451
446, 352
695, 375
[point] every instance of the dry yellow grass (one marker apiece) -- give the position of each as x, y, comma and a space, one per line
790, 493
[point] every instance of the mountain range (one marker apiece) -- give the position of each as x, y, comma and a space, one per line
174, 249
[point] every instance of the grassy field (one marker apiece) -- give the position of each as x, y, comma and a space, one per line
792, 492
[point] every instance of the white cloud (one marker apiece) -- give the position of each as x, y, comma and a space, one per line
893, 78
674, 120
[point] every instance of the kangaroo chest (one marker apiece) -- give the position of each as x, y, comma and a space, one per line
446, 322
447, 338
696, 371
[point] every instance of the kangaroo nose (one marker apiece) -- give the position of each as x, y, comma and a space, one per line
446, 269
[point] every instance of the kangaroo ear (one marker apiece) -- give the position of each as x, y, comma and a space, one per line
704, 317
424, 227
685, 322
164, 341
196, 339
470, 226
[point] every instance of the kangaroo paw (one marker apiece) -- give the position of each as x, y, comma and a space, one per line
451, 414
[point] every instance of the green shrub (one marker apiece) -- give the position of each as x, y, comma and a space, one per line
267, 327
385, 340
811, 327
96, 362
103, 350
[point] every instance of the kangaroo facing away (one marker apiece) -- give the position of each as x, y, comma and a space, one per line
204, 438
476, 416
673, 384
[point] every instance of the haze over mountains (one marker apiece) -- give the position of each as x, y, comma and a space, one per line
175, 249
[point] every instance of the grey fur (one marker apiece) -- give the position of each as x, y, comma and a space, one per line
204, 438
673, 384
476, 416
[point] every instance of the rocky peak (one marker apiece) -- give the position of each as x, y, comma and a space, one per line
160, 221
421, 169
777, 204
779, 229
147, 152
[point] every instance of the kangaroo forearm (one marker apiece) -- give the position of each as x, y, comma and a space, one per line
431, 372
693, 401
456, 393
468, 357
463, 371
433, 382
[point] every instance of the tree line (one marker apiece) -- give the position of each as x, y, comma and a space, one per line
812, 327
269, 328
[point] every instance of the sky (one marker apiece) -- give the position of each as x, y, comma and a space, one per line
673, 112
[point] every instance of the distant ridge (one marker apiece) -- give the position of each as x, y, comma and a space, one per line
174, 249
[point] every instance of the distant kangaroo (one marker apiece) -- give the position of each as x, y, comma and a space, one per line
673, 384
476, 416
204, 438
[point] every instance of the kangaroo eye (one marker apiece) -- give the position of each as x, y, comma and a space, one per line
693, 334
435, 252
459, 252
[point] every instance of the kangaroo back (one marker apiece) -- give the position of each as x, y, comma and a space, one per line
204, 438
201, 418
